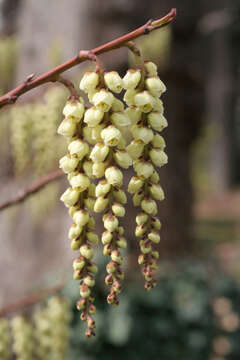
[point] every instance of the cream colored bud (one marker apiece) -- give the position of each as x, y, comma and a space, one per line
79, 263
140, 230
68, 163
155, 177
133, 114
103, 100
149, 206
67, 127
154, 236
111, 223
111, 267
111, 135
155, 254
123, 159
86, 251
158, 157
76, 243
101, 204
78, 148
157, 121
113, 81
89, 280
122, 143
99, 169
85, 292
120, 119
141, 218
74, 231
92, 237
88, 168
122, 243
151, 68
88, 135
89, 203
131, 79
102, 188
142, 133
92, 268
117, 105
92, 190
91, 223
114, 176
72, 210
89, 81
117, 257
135, 149
145, 101
118, 209
144, 169
81, 217
145, 246
80, 181
135, 184
155, 86
107, 249
137, 198
120, 196
158, 142
96, 132
120, 230
93, 116
99, 152
129, 97
157, 192
74, 110
70, 197
106, 237
156, 223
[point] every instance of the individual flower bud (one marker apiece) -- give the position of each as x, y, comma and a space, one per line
74, 231
72, 210
88, 135
158, 106
76, 243
103, 100
144, 169
86, 251
68, 163
70, 197
117, 257
149, 206
84, 291
96, 132
89, 280
151, 68
155, 86
90, 322
92, 237
92, 309
89, 203
117, 105
92, 190
99, 152
80, 181
117, 287
89, 81
145, 246
112, 299
92, 268
155, 254
142, 259
158, 142
81, 304
93, 116
142, 133
72, 174
74, 110
109, 280
111, 223
157, 121
81, 217
101, 204
67, 127
120, 230
123, 159
140, 230
78, 148
157, 192
106, 237
102, 188
121, 242
154, 236
113, 81
114, 176
120, 119
138, 197
129, 97
131, 79
133, 113
155, 177
91, 223
111, 135
118, 209
107, 249
135, 149
141, 218
158, 157
111, 267
88, 168
99, 169
79, 263
77, 275
135, 184
120, 196
156, 223
145, 101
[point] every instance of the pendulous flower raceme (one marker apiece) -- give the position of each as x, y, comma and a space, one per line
5, 339
23, 338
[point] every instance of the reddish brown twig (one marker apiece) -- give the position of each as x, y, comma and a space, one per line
31, 82
32, 189
31, 300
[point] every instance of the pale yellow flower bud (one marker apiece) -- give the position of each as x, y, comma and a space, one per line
131, 79
144, 169
92, 237
122, 158
117, 105
99, 152
120, 196
67, 127
92, 190
91, 223
111, 135
76, 243
135, 149
155, 177
74, 110
106, 237
78, 148
140, 230
81, 217
149, 206
120, 230
121, 144
99, 169
155, 86
137, 198
122, 243
88, 135
111, 223
88, 168
141, 218
145, 101
133, 113
158, 142
89, 203
129, 97
92, 268
96, 132
93, 116
113, 81
74, 231
89, 81
80, 181
118, 209
86, 251
120, 119
145, 247
154, 236
79, 263
70, 197
102, 188
158, 157
117, 257
157, 192
157, 121
101, 204
114, 176
103, 100
68, 163
156, 223
151, 68
135, 184
85, 292
142, 133
158, 106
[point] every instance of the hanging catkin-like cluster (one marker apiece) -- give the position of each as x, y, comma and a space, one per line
23, 338
5, 339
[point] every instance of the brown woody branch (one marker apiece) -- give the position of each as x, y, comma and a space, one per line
31, 82
32, 189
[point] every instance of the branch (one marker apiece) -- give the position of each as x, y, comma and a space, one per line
31, 83
32, 189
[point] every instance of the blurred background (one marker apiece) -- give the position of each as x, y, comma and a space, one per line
195, 310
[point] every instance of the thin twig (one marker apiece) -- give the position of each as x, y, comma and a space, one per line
70, 86
31, 82
23, 194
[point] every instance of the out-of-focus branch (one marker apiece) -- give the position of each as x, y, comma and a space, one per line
37, 186
31, 82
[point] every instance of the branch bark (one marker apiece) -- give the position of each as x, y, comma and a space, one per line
31, 83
